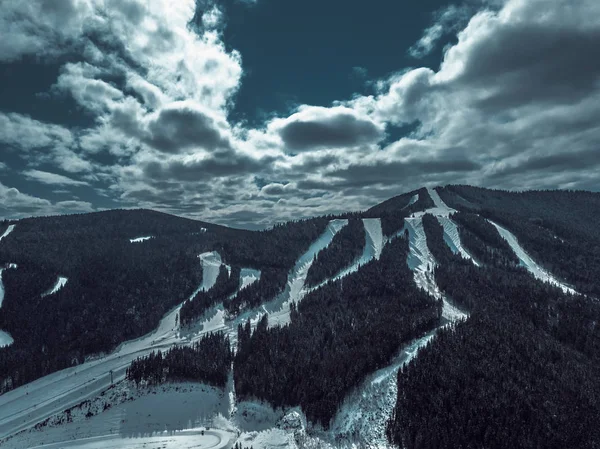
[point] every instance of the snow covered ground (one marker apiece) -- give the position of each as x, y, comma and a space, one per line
169, 416
526, 261
60, 283
10, 229
141, 239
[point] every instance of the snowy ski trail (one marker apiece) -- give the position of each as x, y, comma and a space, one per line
366, 410
528, 263
60, 283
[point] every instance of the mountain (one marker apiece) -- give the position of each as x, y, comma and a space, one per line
452, 317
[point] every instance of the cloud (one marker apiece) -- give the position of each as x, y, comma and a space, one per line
447, 20
52, 178
316, 127
514, 103
185, 125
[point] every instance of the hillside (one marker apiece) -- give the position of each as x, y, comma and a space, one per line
448, 317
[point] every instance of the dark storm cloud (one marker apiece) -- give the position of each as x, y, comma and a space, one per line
535, 62
214, 165
335, 129
396, 171
180, 127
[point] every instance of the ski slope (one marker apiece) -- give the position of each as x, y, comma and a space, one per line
279, 308
10, 229
60, 283
363, 416
442, 212
528, 263
374, 243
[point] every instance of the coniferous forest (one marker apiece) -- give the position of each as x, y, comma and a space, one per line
338, 334
207, 361
112, 281
347, 246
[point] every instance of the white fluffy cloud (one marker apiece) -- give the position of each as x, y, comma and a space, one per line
514, 103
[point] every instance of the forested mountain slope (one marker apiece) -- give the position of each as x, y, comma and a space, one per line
495, 294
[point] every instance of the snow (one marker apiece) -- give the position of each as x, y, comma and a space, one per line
248, 276
60, 283
141, 239
5, 339
452, 238
279, 308
412, 201
528, 263
171, 416
10, 229
373, 246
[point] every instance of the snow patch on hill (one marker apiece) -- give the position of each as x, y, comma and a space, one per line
10, 229
526, 261
60, 283
141, 239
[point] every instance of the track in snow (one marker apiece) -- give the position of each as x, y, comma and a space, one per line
185, 439
60, 283
528, 263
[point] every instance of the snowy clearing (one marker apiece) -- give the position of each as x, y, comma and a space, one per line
171, 415
10, 229
5, 339
60, 283
527, 262
141, 239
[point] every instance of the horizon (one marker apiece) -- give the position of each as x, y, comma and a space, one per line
245, 113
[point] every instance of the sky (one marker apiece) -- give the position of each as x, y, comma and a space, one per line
251, 112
